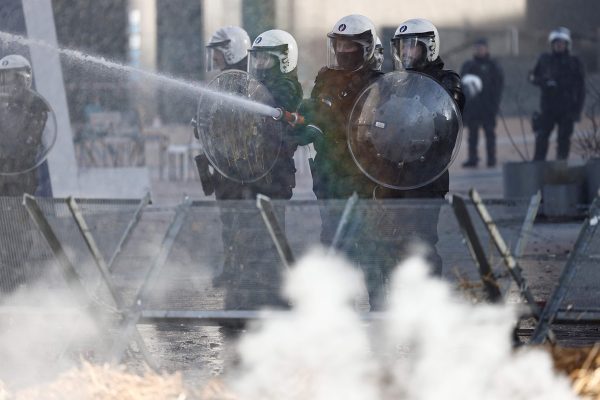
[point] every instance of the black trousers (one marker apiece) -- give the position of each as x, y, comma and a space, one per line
546, 125
489, 127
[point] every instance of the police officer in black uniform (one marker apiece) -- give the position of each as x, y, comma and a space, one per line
561, 78
23, 114
273, 62
253, 273
23, 118
226, 50
414, 47
482, 107
352, 66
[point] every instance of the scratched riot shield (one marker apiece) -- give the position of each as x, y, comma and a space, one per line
239, 142
404, 130
27, 131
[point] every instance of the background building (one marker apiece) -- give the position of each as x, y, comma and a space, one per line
168, 36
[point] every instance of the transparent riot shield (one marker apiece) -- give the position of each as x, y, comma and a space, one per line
27, 132
239, 143
404, 130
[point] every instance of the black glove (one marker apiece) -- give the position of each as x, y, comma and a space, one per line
308, 109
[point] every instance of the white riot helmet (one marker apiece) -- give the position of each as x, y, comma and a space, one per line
15, 74
415, 44
227, 46
560, 33
272, 51
378, 54
351, 43
472, 85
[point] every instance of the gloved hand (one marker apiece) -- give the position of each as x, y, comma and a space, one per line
314, 132
308, 109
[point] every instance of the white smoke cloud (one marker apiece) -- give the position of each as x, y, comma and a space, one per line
320, 350
432, 345
459, 350
43, 333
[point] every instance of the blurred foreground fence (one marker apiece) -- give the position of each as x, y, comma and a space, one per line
216, 261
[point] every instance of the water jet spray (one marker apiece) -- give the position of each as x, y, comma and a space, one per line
241, 102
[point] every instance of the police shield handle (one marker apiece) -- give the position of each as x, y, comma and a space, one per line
291, 118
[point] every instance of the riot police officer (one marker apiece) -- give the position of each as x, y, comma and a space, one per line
272, 61
484, 103
24, 116
351, 66
226, 50
414, 47
561, 78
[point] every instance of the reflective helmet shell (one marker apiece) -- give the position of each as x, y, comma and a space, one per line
232, 41
279, 44
423, 31
358, 29
15, 73
560, 33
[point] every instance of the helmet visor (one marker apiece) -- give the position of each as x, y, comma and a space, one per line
215, 59
261, 61
12, 80
408, 53
345, 54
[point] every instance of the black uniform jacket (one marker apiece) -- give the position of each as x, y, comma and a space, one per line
561, 78
484, 106
23, 118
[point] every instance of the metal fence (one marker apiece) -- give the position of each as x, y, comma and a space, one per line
216, 236
219, 257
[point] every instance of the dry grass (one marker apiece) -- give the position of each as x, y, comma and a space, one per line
104, 382
582, 365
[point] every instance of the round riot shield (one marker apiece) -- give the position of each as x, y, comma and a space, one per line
239, 143
404, 130
27, 132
